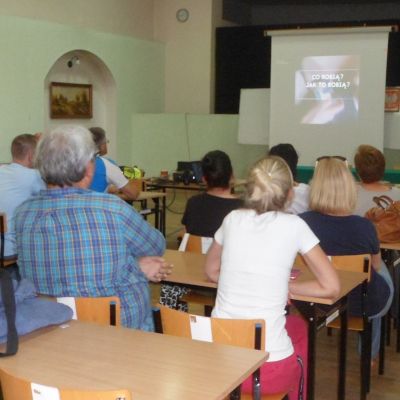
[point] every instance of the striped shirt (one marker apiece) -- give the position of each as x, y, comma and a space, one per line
76, 242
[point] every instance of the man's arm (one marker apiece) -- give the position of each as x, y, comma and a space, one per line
130, 191
155, 268
115, 177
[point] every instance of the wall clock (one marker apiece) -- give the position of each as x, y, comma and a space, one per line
182, 15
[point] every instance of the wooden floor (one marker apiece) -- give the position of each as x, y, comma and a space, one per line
386, 387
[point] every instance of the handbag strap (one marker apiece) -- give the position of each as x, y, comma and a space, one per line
8, 298
382, 201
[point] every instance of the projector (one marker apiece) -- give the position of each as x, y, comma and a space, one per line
185, 177
188, 172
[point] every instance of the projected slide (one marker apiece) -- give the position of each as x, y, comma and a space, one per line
326, 89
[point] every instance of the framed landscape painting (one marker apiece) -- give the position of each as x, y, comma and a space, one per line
70, 100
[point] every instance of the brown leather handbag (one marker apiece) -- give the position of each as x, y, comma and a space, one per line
386, 218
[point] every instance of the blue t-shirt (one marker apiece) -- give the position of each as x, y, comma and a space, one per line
351, 235
17, 184
347, 235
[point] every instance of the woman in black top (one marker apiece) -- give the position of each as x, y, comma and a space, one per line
205, 212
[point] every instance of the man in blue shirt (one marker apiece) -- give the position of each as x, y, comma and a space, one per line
73, 241
107, 173
18, 182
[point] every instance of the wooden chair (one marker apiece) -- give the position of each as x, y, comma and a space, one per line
101, 310
358, 263
3, 229
15, 388
248, 333
197, 244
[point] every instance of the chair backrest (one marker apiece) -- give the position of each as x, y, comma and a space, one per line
249, 333
355, 263
102, 310
195, 244
15, 388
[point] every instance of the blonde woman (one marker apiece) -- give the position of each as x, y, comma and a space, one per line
333, 197
251, 259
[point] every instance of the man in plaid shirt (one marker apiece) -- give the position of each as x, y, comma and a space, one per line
72, 241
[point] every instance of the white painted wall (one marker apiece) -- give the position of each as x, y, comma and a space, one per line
187, 54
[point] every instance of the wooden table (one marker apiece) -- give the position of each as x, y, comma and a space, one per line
189, 270
151, 365
319, 317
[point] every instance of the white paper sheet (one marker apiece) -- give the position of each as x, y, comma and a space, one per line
41, 392
182, 246
205, 244
70, 302
200, 328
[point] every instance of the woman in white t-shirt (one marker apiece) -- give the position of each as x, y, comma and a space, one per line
301, 198
251, 259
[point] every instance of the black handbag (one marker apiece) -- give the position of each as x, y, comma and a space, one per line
8, 299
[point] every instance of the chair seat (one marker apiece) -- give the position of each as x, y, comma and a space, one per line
198, 299
353, 324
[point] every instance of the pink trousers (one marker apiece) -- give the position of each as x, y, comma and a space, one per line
284, 375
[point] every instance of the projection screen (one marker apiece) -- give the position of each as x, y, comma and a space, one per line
328, 90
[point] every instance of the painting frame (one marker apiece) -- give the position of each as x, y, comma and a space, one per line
70, 100
392, 99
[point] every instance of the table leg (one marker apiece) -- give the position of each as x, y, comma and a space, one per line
157, 214
312, 336
163, 213
342, 353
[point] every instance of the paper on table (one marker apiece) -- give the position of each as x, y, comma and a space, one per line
70, 302
41, 392
200, 328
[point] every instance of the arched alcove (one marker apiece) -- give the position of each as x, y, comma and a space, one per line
86, 68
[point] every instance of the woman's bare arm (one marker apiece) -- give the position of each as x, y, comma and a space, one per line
327, 283
213, 261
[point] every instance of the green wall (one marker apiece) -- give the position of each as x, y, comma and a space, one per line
29, 48
158, 141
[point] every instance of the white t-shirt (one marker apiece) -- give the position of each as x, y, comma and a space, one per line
114, 174
257, 256
301, 199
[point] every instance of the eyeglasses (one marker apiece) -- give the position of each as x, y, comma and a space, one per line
340, 158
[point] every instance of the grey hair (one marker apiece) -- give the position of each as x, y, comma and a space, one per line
63, 154
99, 135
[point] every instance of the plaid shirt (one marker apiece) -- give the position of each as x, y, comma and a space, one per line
76, 242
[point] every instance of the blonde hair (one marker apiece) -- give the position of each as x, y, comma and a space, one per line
268, 185
333, 188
